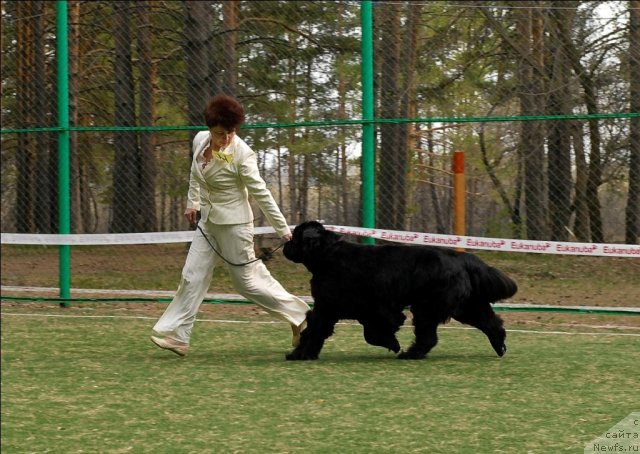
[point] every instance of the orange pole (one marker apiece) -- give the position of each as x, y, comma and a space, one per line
458, 194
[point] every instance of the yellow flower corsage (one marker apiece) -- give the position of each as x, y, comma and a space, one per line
223, 156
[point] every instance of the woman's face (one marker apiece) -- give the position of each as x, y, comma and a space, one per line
220, 137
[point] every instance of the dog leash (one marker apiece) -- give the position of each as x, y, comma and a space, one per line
261, 257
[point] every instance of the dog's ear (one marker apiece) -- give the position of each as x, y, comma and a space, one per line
312, 226
312, 237
311, 232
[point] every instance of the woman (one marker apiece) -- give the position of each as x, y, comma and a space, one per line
224, 172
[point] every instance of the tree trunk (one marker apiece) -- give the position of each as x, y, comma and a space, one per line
433, 191
532, 140
342, 188
77, 214
559, 135
228, 50
594, 181
279, 166
391, 187
581, 222
27, 144
303, 186
45, 202
291, 159
408, 94
125, 166
306, 158
201, 81
632, 222
147, 157
291, 167
490, 168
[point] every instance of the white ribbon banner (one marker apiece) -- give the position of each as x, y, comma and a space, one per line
493, 244
106, 239
433, 239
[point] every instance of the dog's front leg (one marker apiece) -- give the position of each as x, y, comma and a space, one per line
319, 327
426, 332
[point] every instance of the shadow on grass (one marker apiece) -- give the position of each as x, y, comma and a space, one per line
263, 357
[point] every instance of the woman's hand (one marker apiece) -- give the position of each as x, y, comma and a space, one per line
287, 237
192, 216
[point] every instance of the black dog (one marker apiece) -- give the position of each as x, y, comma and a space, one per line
373, 284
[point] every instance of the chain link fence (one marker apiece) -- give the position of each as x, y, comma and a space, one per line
448, 76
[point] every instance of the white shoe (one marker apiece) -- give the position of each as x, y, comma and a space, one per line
296, 330
179, 348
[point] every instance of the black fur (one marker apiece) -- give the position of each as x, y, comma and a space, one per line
373, 284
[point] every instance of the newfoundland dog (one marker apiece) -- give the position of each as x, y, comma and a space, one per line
373, 284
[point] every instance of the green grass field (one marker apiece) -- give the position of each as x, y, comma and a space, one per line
88, 380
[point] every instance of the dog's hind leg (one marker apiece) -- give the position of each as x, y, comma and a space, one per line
381, 331
319, 328
426, 332
486, 320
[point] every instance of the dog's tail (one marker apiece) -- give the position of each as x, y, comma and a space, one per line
488, 284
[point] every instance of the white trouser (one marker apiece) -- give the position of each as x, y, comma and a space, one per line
253, 281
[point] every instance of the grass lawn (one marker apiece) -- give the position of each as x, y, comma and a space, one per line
89, 380
86, 379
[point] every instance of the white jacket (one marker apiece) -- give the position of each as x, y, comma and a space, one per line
221, 191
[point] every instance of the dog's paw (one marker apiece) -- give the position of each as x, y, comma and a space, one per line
410, 354
394, 346
502, 350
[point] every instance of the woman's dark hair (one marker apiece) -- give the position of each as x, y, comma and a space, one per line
225, 111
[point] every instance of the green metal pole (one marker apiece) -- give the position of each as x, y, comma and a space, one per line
64, 211
368, 156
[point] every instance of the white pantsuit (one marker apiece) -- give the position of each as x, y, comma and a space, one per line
220, 191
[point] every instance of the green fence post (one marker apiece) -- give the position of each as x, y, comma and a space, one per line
368, 156
64, 214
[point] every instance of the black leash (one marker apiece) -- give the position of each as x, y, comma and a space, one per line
237, 264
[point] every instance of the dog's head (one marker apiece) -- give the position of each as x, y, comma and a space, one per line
309, 242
